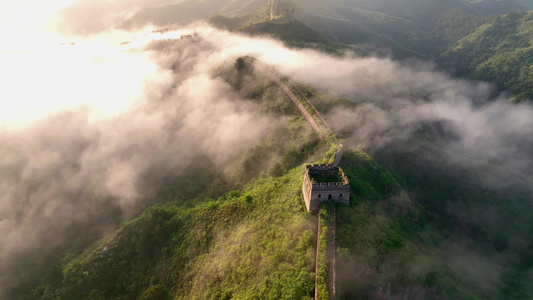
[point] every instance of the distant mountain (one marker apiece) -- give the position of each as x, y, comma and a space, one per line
351, 25
462, 37
421, 12
453, 33
191, 10
498, 51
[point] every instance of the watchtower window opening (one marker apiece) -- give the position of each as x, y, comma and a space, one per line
319, 196
340, 195
329, 197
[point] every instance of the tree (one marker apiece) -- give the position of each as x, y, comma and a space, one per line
155, 292
240, 64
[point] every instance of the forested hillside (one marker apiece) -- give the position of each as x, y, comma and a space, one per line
498, 51
492, 48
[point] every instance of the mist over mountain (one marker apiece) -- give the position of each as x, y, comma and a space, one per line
161, 162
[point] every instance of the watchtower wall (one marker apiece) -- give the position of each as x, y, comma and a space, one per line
315, 193
328, 170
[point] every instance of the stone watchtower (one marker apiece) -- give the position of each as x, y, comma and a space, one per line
325, 183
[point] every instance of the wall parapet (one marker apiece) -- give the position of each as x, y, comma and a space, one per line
330, 185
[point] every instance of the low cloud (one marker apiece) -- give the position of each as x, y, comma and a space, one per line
482, 128
72, 174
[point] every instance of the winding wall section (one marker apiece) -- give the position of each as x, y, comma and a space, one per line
273, 9
270, 73
331, 234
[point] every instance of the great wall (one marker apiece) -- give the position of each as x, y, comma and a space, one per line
316, 192
273, 9
286, 17
317, 187
271, 74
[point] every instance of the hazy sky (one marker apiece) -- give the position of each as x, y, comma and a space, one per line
42, 72
25, 19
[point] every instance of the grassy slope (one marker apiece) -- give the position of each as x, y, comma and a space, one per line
254, 243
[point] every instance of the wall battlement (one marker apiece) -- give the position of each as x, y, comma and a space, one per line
328, 185
318, 192
320, 167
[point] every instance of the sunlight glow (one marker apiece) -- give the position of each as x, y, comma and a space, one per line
44, 72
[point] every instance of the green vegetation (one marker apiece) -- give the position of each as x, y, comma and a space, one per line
155, 292
382, 246
466, 39
290, 143
308, 107
454, 25
322, 277
321, 101
499, 51
255, 242
323, 178
252, 243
